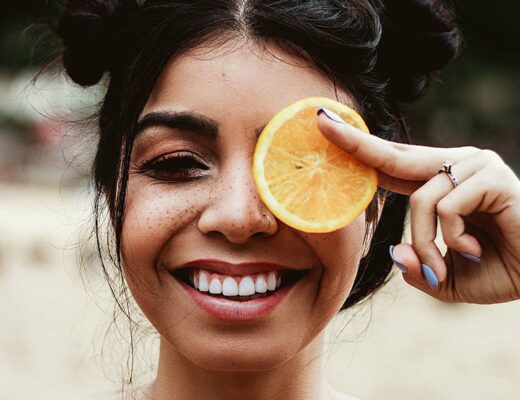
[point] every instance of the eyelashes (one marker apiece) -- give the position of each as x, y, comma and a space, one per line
179, 167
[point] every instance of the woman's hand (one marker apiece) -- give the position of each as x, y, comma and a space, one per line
480, 217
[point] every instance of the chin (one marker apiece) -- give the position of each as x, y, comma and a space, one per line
239, 361
235, 354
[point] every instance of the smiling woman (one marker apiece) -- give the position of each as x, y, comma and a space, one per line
191, 85
192, 209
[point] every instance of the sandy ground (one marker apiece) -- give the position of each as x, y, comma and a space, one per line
404, 346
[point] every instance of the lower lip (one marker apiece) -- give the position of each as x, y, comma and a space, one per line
232, 310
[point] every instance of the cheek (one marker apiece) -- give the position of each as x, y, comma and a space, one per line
152, 215
340, 253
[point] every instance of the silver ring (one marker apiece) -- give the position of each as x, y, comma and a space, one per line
446, 168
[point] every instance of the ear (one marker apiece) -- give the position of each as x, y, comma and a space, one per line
373, 227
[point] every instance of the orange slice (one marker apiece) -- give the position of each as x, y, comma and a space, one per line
306, 181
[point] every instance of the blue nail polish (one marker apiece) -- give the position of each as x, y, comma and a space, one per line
430, 276
331, 115
470, 257
402, 267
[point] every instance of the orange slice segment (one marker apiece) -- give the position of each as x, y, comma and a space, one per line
306, 181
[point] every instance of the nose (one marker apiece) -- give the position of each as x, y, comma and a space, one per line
236, 210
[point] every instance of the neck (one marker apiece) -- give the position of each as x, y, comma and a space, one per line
297, 379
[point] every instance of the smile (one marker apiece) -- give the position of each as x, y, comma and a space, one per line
237, 296
232, 286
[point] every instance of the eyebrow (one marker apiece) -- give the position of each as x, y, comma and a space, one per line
185, 121
182, 120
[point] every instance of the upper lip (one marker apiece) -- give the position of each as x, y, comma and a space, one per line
240, 269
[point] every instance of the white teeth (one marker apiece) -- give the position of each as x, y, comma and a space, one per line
249, 284
271, 281
260, 284
229, 287
215, 286
203, 281
246, 287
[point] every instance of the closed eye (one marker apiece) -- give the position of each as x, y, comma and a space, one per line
180, 166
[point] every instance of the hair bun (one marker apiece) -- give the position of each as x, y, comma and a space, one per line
89, 29
419, 38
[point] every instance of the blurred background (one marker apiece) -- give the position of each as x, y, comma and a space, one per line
403, 345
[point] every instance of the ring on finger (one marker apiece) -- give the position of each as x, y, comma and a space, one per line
446, 168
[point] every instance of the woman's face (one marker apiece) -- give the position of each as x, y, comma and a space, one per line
192, 208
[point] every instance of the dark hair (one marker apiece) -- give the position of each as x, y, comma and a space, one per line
382, 52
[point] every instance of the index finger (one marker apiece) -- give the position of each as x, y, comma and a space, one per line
399, 160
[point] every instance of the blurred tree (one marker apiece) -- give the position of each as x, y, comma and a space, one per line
474, 101
19, 34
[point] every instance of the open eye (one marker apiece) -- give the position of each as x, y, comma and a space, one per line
180, 166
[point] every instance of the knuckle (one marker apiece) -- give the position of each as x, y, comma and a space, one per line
447, 237
425, 248
389, 163
497, 172
491, 156
450, 234
470, 149
419, 244
444, 208
451, 241
396, 152
354, 147
399, 147
417, 199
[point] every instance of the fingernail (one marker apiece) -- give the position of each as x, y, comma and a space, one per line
430, 276
470, 257
331, 115
399, 265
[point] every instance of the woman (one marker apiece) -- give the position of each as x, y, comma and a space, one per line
191, 84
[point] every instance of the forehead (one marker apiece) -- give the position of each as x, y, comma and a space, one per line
237, 79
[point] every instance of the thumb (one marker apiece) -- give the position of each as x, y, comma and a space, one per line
415, 273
